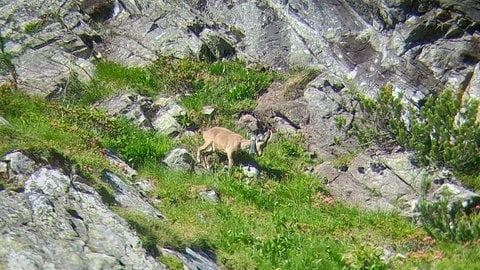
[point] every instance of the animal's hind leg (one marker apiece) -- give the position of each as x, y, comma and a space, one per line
205, 162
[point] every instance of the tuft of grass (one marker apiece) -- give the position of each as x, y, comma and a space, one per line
285, 154
137, 147
34, 26
229, 87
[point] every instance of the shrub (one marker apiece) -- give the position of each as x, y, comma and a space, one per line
442, 131
447, 221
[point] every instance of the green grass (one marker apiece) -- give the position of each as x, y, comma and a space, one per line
270, 225
284, 220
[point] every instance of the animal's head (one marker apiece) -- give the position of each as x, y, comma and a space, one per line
260, 141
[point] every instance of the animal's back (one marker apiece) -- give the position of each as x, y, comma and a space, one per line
223, 136
215, 131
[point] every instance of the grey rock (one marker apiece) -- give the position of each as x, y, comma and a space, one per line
20, 166
208, 110
418, 47
168, 111
276, 110
61, 222
209, 195
145, 186
180, 159
391, 182
364, 185
131, 106
421, 47
143, 112
248, 122
193, 259
37, 35
128, 197
250, 171
456, 194
120, 164
165, 123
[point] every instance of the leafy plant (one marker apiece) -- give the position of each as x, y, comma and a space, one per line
365, 256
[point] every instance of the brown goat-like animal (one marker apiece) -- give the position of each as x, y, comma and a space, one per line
219, 139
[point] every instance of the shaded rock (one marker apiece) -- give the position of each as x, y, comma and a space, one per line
216, 46
119, 163
180, 159
98, 10
248, 122
128, 197
132, 106
193, 260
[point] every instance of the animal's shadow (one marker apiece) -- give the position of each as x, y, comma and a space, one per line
245, 159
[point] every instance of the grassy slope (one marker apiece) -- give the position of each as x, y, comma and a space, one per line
286, 220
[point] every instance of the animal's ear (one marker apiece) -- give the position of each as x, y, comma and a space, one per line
263, 138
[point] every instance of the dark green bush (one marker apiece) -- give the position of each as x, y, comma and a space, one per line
448, 221
442, 131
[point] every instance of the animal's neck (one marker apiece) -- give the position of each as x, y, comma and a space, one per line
245, 144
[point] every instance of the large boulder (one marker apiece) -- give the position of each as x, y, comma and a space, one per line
60, 221
160, 115
180, 159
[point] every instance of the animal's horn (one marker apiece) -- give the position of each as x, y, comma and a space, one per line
253, 146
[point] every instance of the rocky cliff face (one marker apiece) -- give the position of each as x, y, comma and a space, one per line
419, 46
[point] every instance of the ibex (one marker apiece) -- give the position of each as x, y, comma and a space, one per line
219, 139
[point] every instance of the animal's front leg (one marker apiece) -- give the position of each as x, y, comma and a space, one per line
230, 160
201, 149
205, 162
